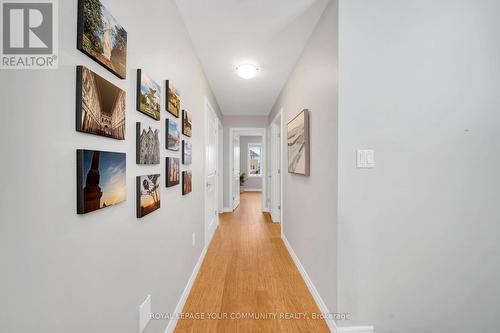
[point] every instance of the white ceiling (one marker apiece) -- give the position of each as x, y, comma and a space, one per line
269, 33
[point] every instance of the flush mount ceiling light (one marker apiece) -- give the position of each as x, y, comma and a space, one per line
247, 71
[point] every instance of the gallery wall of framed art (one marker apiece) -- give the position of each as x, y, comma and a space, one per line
106, 237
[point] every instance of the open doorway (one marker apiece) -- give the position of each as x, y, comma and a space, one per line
275, 169
247, 159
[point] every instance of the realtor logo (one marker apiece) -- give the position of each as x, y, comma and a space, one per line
29, 34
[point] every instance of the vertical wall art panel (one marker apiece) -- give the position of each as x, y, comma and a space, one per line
101, 179
298, 144
173, 100
173, 167
187, 123
187, 186
173, 136
100, 105
101, 37
187, 152
148, 95
148, 194
147, 144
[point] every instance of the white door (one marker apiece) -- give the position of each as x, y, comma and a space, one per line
211, 195
236, 172
275, 173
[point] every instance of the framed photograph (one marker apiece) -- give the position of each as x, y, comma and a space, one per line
148, 95
187, 123
101, 179
147, 144
101, 37
173, 171
187, 152
173, 139
187, 180
173, 100
100, 105
148, 194
298, 144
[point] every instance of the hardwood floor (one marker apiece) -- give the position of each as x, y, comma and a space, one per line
248, 271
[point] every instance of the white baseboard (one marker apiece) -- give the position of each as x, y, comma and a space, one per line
356, 329
253, 190
310, 285
227, 210
180, 305
319, 301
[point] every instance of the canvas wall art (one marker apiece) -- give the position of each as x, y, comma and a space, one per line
100, 105
173, 99
187, 182
187, 152
187, 123
148, 95
148, 194
173, 138
173, 171
298, 144
147, 144
101, 179
101, 37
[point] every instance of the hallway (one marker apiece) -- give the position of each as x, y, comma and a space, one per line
247, 270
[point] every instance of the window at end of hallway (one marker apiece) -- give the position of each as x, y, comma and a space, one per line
254, 160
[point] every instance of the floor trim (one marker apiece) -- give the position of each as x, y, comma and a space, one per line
227, 210
253, 190
358, 329
310, 285
182, 301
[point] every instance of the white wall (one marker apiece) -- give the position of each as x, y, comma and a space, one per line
252, 183
419, 235
236, 122
310, 203
67, 273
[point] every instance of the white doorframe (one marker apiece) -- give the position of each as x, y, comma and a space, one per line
262, 132
209, 111
220, 167
279, 122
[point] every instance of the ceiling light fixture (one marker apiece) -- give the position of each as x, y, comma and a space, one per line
247, 71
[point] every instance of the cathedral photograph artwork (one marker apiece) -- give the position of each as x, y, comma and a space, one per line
100, 107
147, 144
148, 95
173, 99
173, 171
148, 194
101, 37
101, 179
173, 135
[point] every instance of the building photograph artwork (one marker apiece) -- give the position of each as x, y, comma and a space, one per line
187, 181
173, 139
100, 105
101, 179
187, 152
173, 171
148, 95
187, 123
173, 99
147, 144
148, 194
101, 37
298, 144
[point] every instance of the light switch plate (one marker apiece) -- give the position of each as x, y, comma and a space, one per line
144, 313
365, 158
